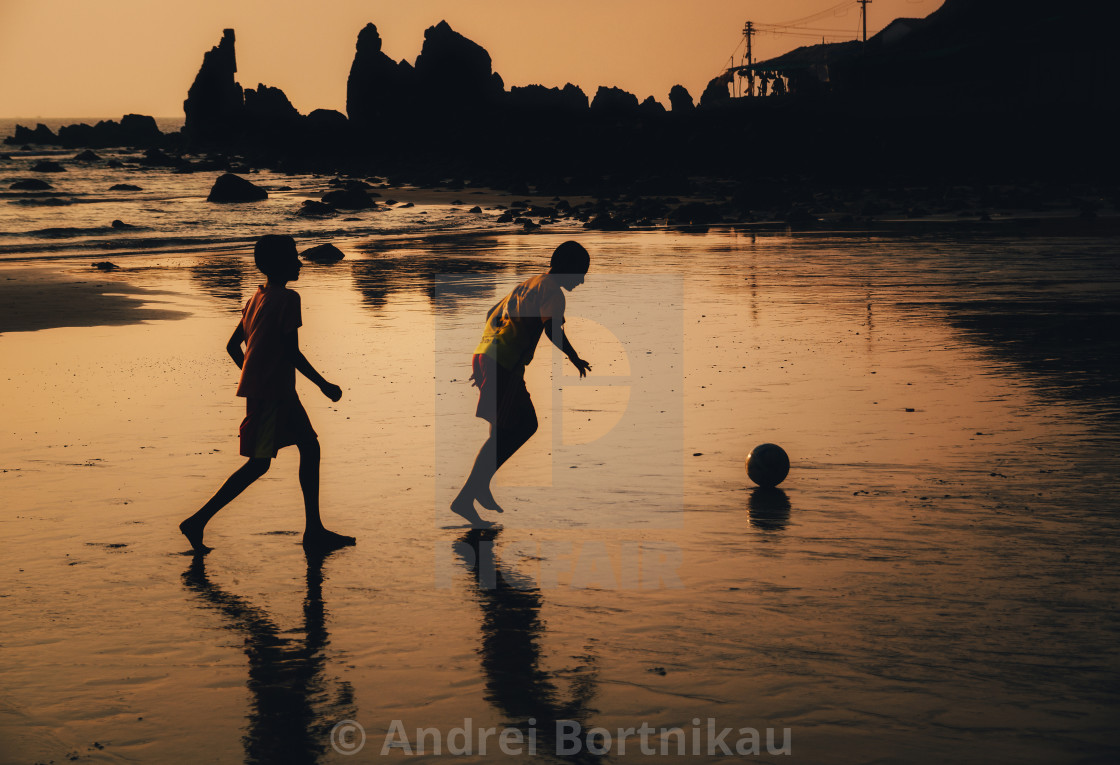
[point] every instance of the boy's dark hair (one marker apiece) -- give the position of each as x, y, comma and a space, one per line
271, 250
570, 258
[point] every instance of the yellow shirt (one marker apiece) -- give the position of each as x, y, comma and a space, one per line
514, 325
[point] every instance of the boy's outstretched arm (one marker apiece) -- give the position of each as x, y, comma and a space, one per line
560, 340
303, 366
233, 347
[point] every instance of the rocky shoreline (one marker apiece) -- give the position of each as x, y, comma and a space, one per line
884, 143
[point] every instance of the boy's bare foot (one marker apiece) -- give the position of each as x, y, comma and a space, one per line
464, 506
193, 532
486, 499
322, 540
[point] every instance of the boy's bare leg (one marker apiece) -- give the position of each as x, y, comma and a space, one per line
314, 534
499, 447
241, 479
481, 473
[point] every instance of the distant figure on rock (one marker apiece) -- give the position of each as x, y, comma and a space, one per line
274, 415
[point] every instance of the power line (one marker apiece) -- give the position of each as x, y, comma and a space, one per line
776, 27
819, 14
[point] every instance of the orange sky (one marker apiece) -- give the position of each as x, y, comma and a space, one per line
77, 58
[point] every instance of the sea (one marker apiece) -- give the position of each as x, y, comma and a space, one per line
169, 211
935, 580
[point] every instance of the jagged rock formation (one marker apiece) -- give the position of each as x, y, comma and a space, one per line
651, 108
215, 105
268, 112
569, 99
40, 135
614, 101
455, 74
378, 89
680, 100
134, 130
716, 92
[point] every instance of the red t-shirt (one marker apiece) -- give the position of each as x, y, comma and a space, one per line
269, 316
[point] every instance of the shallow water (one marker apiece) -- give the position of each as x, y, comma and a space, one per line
934, 581
167, 212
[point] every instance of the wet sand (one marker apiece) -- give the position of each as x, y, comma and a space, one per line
935, 581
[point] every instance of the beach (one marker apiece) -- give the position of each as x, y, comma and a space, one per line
934, 581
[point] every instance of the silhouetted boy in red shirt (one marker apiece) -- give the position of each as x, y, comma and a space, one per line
274, 416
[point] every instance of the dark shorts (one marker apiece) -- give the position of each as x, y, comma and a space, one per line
503, 399
271, 424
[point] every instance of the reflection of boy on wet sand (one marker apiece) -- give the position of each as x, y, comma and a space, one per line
513, 328
274, 417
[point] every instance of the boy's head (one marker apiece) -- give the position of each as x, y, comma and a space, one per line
277, 258
570, 261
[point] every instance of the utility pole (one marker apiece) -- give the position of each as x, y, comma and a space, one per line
863, 16
748, 32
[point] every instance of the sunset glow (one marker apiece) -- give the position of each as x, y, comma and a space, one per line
78, 59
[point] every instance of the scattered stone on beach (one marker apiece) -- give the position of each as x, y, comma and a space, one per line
406, 205
323, 253
115, 163
798, 215
506, 217
234, 188
157, 158
87, 156
312, 209
31, 184
48, 202
475, 210
528, 226
604, 222
5, 157
349, 199
349, 183
121, 224
694, 214
124, 187
105, 265
47, 166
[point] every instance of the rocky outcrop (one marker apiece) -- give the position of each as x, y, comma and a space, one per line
614, 102
40, 135
455, 74
651, 108
378, 89
134, 130
215, 105
269, 113
680, 100
717, 91
570, 99
234, 188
